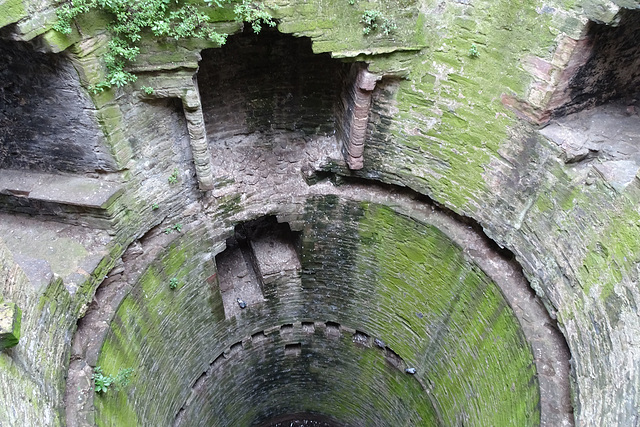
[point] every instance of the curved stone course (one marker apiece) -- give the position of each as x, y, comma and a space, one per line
287, 293
260, 235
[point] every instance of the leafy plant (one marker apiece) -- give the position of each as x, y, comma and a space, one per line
148, 90
130, 18
123, 378
176, 227
155, 206
473, 51
374, 20
173, 178
254, 13
173, 283
103, 382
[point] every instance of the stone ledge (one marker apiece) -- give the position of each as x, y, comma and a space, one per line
59, 189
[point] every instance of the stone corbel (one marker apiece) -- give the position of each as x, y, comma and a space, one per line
187, 91
361, 93
198, 137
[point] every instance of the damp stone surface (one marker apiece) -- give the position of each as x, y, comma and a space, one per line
383, 213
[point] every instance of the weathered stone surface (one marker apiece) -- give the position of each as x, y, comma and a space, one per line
329, 288
59, 189
436, 125
47, 122
357, 103
10, 317
12, 11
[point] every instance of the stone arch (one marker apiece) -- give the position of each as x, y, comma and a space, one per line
380, 294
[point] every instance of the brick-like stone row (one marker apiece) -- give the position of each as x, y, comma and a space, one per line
356, 101
195, 311
297, 337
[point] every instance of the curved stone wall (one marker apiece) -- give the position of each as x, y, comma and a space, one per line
378, 292
460, 91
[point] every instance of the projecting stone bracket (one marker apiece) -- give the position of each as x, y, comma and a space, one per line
358, 100
198, 138
10, 317
192, 106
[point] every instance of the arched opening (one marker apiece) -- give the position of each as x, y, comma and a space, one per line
596, 111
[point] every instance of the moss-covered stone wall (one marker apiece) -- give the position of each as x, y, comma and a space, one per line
364, 268
454, 118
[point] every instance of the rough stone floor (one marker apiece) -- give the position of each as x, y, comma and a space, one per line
606, 136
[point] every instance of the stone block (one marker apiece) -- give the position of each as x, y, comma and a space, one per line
10, 316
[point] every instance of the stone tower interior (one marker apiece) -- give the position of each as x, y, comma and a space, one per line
369, 213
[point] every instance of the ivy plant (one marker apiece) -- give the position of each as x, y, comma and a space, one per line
162, 18
254, 13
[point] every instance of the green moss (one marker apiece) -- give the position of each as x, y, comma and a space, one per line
567, 199
145, 318
335, 25
10, 320
451, 321
544, 204
58, 42
469, 125
12, 11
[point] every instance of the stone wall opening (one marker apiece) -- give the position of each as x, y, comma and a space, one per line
270, 107
268, 82
609, 65
46, 118
595, 116
260, 253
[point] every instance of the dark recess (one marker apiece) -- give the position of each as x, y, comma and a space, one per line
269, 82
46, 119
612, 70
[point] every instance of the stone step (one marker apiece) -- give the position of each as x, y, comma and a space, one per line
71, 199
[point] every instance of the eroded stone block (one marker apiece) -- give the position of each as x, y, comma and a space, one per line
10, 316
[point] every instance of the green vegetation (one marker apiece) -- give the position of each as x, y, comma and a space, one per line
473, 51
254, 13
173, 283
148, 90
374, 20
130, 19
155, 206
173, 178
104, 382
176, 227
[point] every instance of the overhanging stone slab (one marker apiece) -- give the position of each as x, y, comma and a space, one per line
59, 189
